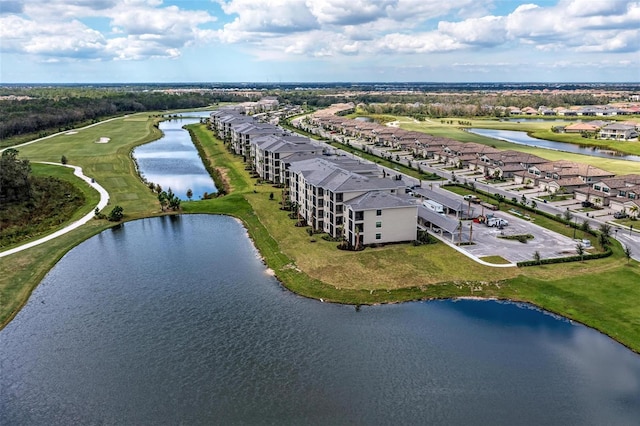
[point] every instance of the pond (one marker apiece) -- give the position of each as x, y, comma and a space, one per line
175, 320
173, 161
522, 138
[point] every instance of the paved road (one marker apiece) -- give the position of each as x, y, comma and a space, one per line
104, 199
623, 235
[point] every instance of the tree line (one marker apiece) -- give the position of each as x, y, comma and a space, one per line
59, 113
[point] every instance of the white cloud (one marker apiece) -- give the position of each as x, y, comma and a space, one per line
418, 43
595, 7
139, 29
54, 39
354, 12
485, 31
265, 16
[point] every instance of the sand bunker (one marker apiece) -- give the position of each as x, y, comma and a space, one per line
103, 140
71, 133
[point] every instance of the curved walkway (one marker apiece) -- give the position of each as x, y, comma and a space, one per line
104, 199
473, 257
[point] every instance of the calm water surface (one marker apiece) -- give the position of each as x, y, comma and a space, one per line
522, 138
173, 161
174, 320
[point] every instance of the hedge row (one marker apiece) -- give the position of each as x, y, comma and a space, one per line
604, 254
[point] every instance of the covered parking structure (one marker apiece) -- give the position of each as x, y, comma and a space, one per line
452, 203
447, 227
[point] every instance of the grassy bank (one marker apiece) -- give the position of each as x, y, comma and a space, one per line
111, 166
582, 291
403, 272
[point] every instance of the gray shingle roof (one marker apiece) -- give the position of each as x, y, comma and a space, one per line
374, 200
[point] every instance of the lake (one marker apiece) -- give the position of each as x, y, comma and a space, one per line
522, 138
173, 161
175, 320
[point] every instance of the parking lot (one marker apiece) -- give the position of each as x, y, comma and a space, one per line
486, 241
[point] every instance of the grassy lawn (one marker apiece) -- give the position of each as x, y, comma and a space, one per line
601, 293
539, 130
109, 163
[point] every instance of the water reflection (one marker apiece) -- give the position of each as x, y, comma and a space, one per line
173, 162
522, 138
174, 321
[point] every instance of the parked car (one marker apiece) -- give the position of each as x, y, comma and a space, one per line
620, 215
586, 204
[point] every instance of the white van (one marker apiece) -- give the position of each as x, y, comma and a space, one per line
433, 206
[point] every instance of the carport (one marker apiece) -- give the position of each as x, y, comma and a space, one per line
448, 227
452, 202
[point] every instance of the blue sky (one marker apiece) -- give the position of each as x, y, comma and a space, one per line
114, 41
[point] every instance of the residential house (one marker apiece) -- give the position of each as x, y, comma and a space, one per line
563, 175
602, 191
618, 132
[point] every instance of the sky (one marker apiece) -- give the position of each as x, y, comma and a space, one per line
274, 41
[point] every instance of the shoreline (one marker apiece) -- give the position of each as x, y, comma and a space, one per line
297, 281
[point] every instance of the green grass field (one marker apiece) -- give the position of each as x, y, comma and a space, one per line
539, 130
600, 293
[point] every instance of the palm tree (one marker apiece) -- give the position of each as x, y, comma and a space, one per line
537, 257
603, 240
580, 251
627, 253
189, 194
634, 210
605, 229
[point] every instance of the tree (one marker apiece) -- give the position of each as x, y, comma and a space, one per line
15, 185
605, 229
537, 257
603, 240
580, 250
174, 203
63, 160
523, 200
627, 253
534, 205
271, 196
634, 210
585, 226
162, 198
567, 215
116, 214
189, 194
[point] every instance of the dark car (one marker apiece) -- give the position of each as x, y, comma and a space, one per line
586, 204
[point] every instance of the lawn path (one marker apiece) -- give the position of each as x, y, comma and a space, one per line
104, 199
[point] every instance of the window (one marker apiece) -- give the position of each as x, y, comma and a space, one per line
378, 212
378, 224
378, 236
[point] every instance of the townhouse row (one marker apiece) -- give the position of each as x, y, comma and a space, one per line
587, 183
343, 197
